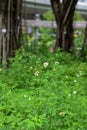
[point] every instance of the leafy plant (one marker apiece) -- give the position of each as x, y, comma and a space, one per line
43, 91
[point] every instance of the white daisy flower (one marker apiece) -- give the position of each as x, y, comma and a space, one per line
45, 64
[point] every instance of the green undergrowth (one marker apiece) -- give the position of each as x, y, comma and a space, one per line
43, 91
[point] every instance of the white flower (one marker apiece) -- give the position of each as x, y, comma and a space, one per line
75, 81
62, 113
56, 62
74, 92
29, 99
25, 96
78, 75
45, 64
36, 73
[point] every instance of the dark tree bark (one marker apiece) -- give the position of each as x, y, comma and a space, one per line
64, 13
84, 47
11, 28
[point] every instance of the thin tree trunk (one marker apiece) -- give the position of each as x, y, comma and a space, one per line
0, 37
4, 52
8, 27
84, 48
85, 39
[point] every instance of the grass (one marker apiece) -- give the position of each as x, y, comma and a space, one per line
43, 92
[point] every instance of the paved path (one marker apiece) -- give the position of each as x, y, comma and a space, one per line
49, 24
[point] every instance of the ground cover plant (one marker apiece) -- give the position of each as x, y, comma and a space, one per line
43, 91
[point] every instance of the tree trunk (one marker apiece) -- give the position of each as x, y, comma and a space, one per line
84, 48
11, 27
85, 39
0, 38
64, 13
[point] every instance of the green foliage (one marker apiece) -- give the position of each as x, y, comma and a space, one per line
43, 92
49, 15
78, 17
